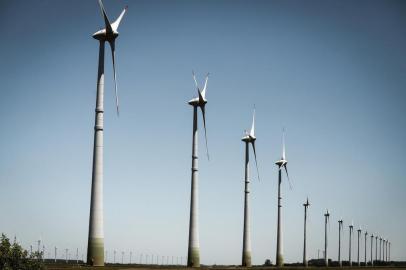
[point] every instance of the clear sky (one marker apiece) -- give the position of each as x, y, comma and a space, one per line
331, 72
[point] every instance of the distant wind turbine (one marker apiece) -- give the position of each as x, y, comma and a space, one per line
340, 228
372, 244
380, 248
359, 235
194, 245
376, 247
95, 246
306, 205
350, 246
282, 163
326, 221
365, 247
249, 138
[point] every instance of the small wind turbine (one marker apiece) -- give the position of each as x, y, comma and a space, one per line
376, 247
372, 244
359, 235
306, 205
365, 246
340, 228
380, 248
326, 221
349, 249
55, 253
194, 244
282, 163
95, 246
249, 138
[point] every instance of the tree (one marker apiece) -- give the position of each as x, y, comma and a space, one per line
14, 257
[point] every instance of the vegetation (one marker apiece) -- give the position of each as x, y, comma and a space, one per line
14, 257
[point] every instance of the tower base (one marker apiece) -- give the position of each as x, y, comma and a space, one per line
246, 259
193, 257
95, 252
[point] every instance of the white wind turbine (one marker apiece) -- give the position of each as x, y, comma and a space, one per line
326, 222
194, 245
351, 226
95, 247
340, 228
249, 138
282, 163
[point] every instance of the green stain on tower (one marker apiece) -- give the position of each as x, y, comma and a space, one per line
193, 257
95, 252
279, 261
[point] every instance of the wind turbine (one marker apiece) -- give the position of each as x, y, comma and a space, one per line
306, 205
340, 227
372, 244
359, 234
282, 163
376, 247
380, 248
249, 138
326, 221
383, 249
389, 250
95, 246
349, 250
194, 245
365, 246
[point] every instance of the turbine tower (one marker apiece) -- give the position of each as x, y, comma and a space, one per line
389, 251
349, 250
326, 221
306, 205
193, 258
365, 246
372, 244
340, 228
359, 235
249, 138
95, 246
376, 247
383, 249
282, 163
380, 248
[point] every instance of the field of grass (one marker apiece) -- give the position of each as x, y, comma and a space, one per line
157, 267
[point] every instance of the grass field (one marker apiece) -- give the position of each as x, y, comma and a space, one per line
143, 267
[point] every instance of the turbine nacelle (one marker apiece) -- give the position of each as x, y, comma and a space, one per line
104, 35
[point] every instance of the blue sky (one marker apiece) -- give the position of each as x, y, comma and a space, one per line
331, 72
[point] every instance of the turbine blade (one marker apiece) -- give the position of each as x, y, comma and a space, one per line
106, 19
113, 55
194, 78
116, 23
205, 85
283, 145
286, 170
255, 157
204, 124
252, 132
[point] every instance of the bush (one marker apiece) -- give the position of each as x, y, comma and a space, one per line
14, 257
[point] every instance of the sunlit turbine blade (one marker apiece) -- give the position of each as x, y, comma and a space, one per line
204, 124
255, 157
286, 170
113, 55
205, 85
194, 78
252, 132
106, 19
116, 23
283, 145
